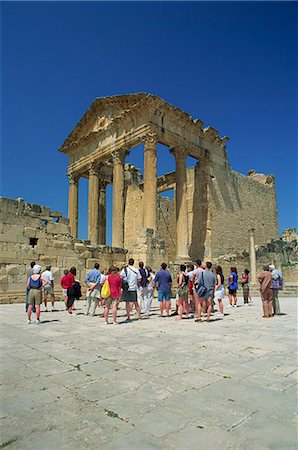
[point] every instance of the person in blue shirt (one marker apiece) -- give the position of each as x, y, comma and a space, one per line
92, 280
164, 281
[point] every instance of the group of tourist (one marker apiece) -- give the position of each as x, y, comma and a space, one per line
198, 290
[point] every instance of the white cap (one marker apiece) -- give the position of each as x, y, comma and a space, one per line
37, 269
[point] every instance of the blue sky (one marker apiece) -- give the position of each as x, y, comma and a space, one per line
230, 64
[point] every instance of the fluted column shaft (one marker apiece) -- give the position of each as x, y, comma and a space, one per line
102, 213
150, 182
93, 194
73, 205
181, 206
252, 257
118, 199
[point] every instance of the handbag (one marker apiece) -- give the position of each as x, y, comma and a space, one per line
201, 288
105, 290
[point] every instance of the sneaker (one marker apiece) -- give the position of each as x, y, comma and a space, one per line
115, 323
28, 322
37, 322
222, 315
235, 306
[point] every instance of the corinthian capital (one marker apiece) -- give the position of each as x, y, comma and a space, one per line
93, 168
150, 139
119, 156
73, 178
179, 153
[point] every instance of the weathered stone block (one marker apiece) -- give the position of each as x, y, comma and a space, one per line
3, 279
55, 214
86, 254
12, 269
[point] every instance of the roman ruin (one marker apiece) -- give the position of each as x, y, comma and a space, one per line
216, 213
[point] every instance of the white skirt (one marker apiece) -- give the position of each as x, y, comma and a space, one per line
219, 293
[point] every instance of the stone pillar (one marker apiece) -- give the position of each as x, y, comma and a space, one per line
252, 257
150, 182
93, 194
118, 199
102, 213
73, 204
181, 206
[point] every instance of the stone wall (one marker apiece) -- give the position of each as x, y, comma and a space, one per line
31, 232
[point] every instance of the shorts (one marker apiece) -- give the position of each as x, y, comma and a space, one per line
208, 294
182, 291
95, 293
129, 296
111, 300
219, 294
34, 296
64, 292
48, 289
232, 291
164, 296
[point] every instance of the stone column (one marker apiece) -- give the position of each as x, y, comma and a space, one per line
102, 213
252, 257
118, 199
181, 206
73, 204
150, 182
93, 194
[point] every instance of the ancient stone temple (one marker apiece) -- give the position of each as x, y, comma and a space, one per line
214, 208
216, 213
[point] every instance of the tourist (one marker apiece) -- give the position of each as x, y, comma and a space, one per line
264, 279
150, 290
182, 291
163, 280
219, 291
276, 285
29, 272
115, 284
49, 288
233, 286
74, 290
190, 268
132, 277
143, 288
245, 286
194, 276
65, 285
35, 284
92, 280
208, 281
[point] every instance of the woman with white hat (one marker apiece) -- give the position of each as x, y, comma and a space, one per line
35, 283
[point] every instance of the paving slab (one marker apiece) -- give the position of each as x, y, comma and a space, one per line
72, 382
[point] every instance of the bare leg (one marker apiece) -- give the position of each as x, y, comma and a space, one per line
230, 300
209, 307
106, 313
161, 308
37, 307
115, 307
168, 307
138, 309
186, 307
220, 304
29, 312
181, 307
53, 301
199, 310
46, 301
127, 306
235, 298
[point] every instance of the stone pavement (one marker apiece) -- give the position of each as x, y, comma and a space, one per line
74, 383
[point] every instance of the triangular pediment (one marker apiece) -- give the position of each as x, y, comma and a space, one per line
101, 113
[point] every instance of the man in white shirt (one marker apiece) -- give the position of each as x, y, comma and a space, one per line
49, 288
194, 276
131, 279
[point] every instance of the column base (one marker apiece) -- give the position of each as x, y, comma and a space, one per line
182, 259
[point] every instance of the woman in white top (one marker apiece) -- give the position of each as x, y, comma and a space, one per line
219, 293
150, 289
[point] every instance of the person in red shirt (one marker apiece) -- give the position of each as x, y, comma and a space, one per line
115, 283
66, 281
